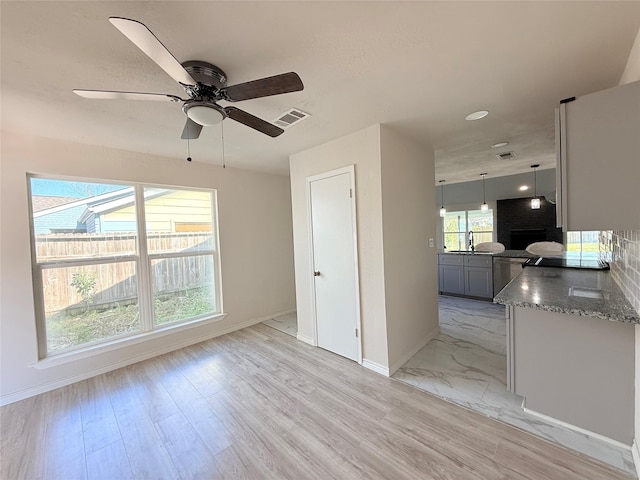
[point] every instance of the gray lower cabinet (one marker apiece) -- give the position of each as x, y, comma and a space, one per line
451, 279
470, 275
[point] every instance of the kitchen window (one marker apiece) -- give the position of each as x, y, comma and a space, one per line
118, 260
589, 241
457, 225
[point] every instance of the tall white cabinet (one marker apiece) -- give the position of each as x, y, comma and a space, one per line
598, 155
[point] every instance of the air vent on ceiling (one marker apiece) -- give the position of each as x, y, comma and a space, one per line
290, 117
506, 155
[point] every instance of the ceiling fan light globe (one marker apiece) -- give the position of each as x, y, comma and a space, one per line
204, 115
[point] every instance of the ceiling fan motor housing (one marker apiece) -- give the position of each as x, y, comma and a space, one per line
202, 108
206, 73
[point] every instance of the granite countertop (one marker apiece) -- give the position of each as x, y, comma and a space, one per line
570, 291
506, 253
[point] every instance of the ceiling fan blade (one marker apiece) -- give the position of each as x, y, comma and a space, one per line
253, 121
111, 95
264, 87
146, 41
191, 130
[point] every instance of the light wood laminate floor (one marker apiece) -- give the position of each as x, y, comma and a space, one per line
257, 404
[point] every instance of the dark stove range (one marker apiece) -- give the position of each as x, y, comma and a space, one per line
584, 263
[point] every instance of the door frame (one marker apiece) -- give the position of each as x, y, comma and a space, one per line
350, 169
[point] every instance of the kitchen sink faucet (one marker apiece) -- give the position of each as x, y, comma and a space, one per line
472, 248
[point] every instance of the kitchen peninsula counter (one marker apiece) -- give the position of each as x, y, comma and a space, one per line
506, 253
590, 293
570, 348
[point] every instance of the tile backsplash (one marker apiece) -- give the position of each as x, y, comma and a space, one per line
625, 262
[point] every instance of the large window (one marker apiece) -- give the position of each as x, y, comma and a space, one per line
117, 260
457, 225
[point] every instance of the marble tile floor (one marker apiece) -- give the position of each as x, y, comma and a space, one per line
466, 364
287, 323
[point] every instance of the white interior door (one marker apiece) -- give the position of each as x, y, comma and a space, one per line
334, 264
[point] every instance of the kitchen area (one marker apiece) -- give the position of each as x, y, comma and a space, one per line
479, 274
542, 339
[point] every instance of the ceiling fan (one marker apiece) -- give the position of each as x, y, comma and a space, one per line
204, 83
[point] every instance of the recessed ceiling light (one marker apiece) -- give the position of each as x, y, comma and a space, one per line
499, 144
523, 188
477, 115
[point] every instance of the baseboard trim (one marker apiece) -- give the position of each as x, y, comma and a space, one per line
376, 367
635, 452
37, 390
610, 441
305, 339
405, 358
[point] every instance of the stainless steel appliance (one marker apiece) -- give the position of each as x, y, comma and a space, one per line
505, 269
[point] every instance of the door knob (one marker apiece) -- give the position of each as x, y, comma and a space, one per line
316, 274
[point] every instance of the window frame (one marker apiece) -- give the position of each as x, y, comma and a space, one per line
142, 259
467, 224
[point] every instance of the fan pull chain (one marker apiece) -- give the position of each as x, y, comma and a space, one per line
188, 143
224, 165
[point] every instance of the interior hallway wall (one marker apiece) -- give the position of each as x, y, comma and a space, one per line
361, 149
409, 220
395, 218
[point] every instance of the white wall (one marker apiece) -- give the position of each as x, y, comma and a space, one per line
631, 74
255, 241
632, 69
361, 149
409, 220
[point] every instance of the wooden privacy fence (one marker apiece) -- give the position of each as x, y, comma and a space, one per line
116, 282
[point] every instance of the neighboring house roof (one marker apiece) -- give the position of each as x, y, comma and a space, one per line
60, 220
64, 216
83, 213
44, 202
84, 201
104, 205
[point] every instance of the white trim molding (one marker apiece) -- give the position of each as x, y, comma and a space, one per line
635, 452
122, 342
418, 346
575, 428
198, 338
350, 170
376, 367
305, 339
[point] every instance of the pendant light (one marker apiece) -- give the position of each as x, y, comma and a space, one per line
443, 211
484, 207
535, 201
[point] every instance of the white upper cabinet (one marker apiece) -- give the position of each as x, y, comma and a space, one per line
598, 155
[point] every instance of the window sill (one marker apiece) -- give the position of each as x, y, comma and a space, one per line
119, 343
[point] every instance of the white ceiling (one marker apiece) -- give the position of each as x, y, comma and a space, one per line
419, 67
